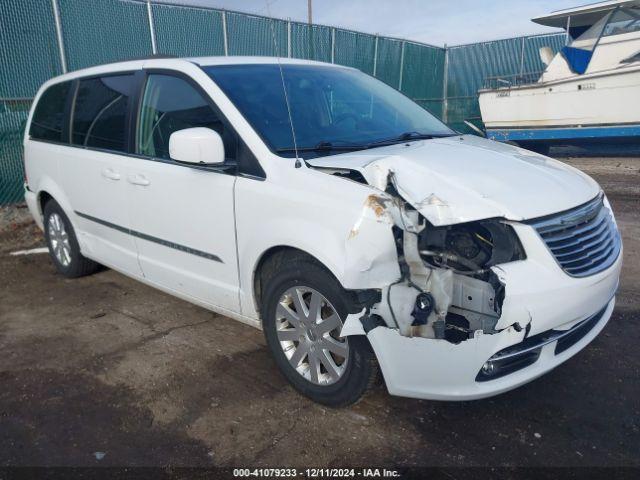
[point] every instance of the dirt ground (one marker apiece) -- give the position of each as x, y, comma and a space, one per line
105, 371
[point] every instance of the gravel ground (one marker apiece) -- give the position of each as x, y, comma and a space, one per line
105, 371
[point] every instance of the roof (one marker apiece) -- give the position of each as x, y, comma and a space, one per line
240, 60
585, 15
130, 65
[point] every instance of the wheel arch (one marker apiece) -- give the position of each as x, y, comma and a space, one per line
43, 198
356, 299
272, 256
48, 190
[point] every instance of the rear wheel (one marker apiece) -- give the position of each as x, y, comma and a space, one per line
303, 310
63, 244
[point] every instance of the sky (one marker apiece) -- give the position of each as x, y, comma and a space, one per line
437, 22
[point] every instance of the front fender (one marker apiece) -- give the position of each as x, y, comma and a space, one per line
345, 230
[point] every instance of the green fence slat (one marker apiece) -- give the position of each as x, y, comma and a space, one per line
29, 56
188, 32
423, 76
388, 61
29, 52
103, 31
251, 35
13, 116
310, 42
355, 49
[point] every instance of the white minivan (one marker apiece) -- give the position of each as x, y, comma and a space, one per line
323, 206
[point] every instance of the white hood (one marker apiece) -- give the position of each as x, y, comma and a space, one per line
466, 178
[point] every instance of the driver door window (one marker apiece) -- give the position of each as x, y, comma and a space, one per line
170, 104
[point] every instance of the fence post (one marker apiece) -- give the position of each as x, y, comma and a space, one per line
58, 22
445, 86
401, 66
224, 33
333, 45
289, 38
375, 56
152, 29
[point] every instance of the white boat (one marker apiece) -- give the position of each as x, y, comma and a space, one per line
590, 90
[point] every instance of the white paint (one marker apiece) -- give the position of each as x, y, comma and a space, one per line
32, 251
436, 370
461, 179
197, 145
345, 225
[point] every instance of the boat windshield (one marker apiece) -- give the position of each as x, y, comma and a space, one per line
616, 22
625, 20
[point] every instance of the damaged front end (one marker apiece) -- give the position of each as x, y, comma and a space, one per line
446, 288
466, 300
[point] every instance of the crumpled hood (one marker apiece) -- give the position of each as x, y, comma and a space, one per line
466, 178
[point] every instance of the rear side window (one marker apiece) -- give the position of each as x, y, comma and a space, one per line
100, 112
48, 118
170, 104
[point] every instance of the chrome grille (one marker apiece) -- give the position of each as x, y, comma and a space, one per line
584, 240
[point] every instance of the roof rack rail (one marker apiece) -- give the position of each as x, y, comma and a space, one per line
146, 57
149, 57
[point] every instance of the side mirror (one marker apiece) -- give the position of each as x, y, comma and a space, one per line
196, 145
546, 55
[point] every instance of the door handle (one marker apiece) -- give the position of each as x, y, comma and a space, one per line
138, 179
110, 174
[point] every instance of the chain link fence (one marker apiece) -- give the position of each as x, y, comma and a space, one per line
40, 39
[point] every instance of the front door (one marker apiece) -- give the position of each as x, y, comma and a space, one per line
182, 216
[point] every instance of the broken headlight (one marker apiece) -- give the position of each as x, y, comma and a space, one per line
470, 247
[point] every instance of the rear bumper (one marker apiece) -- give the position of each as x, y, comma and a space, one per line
31, 200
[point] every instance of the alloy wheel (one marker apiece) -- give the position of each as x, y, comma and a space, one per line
59, 239
308, 329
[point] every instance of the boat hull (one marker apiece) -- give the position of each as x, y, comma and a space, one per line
597, 107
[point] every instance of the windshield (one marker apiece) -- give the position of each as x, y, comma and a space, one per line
623, 21
331, 108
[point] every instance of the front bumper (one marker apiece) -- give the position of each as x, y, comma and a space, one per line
540, 297
439, 370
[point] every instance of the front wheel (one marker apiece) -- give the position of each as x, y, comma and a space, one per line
303, 311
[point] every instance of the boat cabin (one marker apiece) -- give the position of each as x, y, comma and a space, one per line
600, 37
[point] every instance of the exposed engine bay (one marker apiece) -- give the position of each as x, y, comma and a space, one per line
447, 289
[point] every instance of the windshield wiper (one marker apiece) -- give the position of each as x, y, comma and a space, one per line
323, 147
409, 136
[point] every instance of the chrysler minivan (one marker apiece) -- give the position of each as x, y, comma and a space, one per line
319, 204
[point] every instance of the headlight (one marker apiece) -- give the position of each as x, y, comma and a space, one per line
608, 205
471, 247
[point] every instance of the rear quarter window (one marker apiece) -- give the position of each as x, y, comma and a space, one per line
48, 117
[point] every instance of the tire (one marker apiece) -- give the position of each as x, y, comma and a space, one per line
63, 244
355, 372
